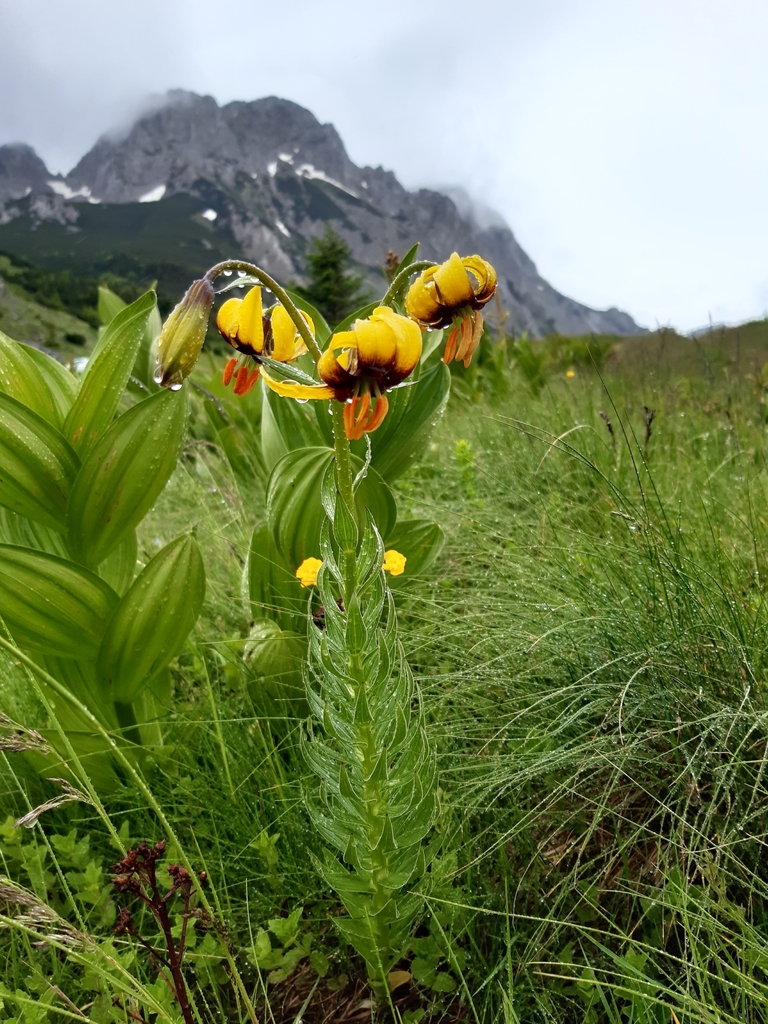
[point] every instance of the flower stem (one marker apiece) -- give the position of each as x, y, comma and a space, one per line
347, 492
280, 294
401, 278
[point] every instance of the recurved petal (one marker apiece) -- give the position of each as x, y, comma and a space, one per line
251, 326
421, 301
338, 363
408, 353
283, 335
376, 339
486, 277
228, 319
452, 282
291, 389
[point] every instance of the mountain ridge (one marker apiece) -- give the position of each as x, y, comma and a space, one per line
268, 176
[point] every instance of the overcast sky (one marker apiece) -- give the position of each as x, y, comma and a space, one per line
624, 141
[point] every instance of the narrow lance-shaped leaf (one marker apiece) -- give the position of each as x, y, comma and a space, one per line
107, 374
124, 474
53, 605
37, 466
153, 620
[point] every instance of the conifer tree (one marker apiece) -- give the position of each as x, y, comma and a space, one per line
331, 286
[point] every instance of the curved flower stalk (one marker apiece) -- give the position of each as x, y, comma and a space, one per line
368, 746
358, 368
452, 295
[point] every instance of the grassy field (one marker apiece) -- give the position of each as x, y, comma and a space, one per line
592, 649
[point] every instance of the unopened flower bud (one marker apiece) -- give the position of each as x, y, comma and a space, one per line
183, 335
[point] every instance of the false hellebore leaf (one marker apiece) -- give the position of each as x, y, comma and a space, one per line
53, 605
123, 475
153, 620
107, 374
37, 466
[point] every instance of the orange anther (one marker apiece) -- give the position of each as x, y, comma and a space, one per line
229, 370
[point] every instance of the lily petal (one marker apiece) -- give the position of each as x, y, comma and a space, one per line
290, 389
452, 282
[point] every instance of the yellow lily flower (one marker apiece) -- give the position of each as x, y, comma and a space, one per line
452, 294
359, 365
306, 574
244, 325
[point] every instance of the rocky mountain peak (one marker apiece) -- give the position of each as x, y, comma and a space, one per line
21, 171
262, 179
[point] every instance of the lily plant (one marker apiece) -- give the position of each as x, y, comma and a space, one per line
374, 803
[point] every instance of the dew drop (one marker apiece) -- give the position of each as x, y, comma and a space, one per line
227, 273
175, 387
240, 273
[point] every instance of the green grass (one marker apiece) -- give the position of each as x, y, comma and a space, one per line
592, 648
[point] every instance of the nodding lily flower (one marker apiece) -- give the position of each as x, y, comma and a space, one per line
359, 366
306, 574
243, 324
447, 296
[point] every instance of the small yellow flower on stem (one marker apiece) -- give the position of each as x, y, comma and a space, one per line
253, 334
394, 562
452, 295
183, 334
307, 572
359, 366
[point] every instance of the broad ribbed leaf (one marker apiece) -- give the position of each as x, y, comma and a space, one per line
37, 466
53, 605
29, 383
294, 509
124, 474
420, 541
414, 412
61, 383
153, 620
285, 426
107, 374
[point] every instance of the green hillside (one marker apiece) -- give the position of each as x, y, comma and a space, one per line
25, 319
168, 242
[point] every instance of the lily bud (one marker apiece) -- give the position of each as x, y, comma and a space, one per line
183, 335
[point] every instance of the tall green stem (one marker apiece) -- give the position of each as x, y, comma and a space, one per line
347, 492
280, 294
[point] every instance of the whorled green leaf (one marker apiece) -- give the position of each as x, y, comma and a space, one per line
35, 380
153, 620
420, 541
124, 473
107, 374
294, 510
37, 466
53, 605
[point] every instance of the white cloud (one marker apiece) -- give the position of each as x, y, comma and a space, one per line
624, 142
